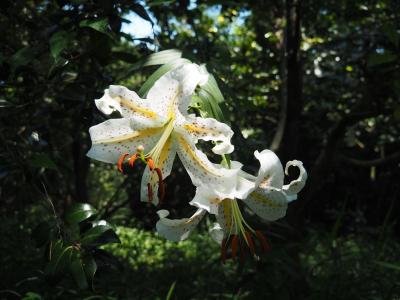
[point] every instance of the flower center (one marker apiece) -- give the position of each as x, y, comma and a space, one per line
155, 153
240, 239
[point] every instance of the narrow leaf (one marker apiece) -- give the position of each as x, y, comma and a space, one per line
158, 58
160, 72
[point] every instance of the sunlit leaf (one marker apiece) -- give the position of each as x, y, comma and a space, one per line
158, 58
99, 235
100, 25
160, 72
79, 212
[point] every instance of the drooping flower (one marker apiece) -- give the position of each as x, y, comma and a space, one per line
265, 195
157, 128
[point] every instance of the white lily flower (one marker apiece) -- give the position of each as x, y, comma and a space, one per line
264, 194
159, 127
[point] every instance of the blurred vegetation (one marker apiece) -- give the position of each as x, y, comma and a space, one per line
317, 81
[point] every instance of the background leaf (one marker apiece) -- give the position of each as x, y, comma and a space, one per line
79, 212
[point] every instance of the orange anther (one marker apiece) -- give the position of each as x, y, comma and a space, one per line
121, 161
150, 192
132, 160
223, 250
234, 245
264, 243
150, 163
250, 242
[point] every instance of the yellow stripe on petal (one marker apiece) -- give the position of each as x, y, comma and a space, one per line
143, 111
194, 129
226, 210
127, 137
263, 199
197, 160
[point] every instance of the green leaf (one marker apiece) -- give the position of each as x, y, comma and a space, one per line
59, 259
210, 105
32, 296
79, 212
77, 270
159, 58
99, 235
170, 291
90, 267
159, 2
42, 160
141, 11
376, 59
387, 265
212, 88
100, 25
58, 42
22, 57
160, 72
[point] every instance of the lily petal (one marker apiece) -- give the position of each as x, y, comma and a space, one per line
217, 233
208, 129
271, 170
270, 204
177, 229
126, 102
298, 184
115, 137
202, 171
173, 91
165, 163
225, 217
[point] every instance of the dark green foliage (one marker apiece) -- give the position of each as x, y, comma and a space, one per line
73, 247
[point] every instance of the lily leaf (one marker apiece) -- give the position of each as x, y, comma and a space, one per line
160, 72
158, 58
59, 258
79, 212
